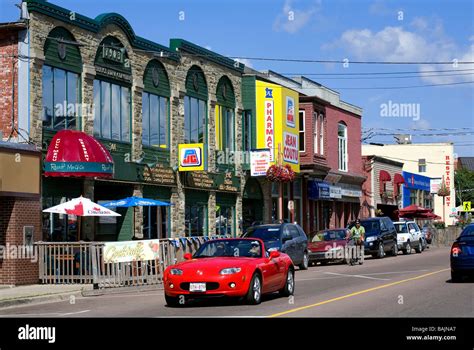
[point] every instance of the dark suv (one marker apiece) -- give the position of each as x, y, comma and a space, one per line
287, 238
380, 236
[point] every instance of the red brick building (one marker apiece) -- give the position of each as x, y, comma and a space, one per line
330, 155
9, 38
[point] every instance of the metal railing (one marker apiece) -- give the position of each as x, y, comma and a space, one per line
83, 262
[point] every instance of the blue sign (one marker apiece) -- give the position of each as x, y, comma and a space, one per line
268, 93
416, 182
318, 190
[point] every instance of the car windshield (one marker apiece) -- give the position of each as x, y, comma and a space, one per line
332, 235
264, 233
230, 248
401, 227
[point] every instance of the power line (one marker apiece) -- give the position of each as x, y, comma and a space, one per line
380, 73
394, 87
397, 77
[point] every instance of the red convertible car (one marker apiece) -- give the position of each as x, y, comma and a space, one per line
235, 267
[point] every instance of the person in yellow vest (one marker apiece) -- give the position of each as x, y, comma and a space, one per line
357, 233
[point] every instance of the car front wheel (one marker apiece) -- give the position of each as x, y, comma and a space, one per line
254, 294
407, 249
289, 288
381, 252
305, 263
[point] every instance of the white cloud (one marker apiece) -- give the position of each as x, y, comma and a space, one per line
245, 61
292, 19
427, 42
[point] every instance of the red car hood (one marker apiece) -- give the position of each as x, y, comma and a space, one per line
325, 246
214, 265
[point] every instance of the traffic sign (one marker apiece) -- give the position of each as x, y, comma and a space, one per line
466, 206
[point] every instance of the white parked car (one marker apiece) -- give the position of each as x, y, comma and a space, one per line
409, 237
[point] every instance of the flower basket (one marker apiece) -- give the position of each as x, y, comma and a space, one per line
443, 190
278, 173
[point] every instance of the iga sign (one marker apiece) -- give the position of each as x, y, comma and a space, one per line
290, 112
191, 157
259, 162
290, 148
269, 127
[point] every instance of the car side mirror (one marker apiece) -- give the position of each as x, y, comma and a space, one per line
188, 256
274, 254
412, 231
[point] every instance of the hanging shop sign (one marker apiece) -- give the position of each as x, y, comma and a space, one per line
435, 184
277, 123
128, 251
259, 162
351, 193
191, 157
335, 192
290, 148
290, 112
318, 190
159, 174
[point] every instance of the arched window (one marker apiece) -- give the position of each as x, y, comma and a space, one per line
195, 107
225, 115
342, 146
155, 106
61, 81
112, 97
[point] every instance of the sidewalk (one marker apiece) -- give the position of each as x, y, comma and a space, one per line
39, 293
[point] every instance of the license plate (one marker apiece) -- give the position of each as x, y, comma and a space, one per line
197, 287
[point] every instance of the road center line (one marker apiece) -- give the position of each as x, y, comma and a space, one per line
360, 276
356, 293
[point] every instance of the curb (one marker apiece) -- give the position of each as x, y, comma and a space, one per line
6, 304
121, 290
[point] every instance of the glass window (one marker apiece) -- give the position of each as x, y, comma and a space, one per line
60, 98
302, 130
247, 132
225, 132
155, 222
342, 146
225, 220
321, 134
422, 165
196, 220
155, 120
315, 133
112, 111
194, 120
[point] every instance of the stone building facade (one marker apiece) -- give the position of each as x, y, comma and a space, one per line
82, 45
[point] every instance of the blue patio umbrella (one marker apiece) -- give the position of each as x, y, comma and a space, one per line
136, 202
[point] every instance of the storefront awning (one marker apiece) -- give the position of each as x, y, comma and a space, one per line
74, 153
398, 179
384, 176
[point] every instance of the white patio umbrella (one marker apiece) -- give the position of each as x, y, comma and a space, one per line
81, 207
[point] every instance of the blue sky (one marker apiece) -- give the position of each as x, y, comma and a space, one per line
364, 30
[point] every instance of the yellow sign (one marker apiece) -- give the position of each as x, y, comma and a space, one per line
466, 206
191, 157
278, 123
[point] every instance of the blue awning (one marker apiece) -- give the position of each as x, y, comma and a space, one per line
318, 190
135, 202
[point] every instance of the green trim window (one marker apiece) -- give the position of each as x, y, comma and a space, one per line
225, 220
61, 97
196, 220
195, 120
155, 120
112, 112
247, 130
225, 133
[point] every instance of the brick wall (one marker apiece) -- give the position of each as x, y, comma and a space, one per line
8, 73
14, 214
309, 156
353, 122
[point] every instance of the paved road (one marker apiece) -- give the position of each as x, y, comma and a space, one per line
416, 285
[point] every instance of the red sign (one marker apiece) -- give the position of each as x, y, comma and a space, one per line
269, 131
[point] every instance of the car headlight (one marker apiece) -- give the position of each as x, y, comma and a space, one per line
177, 272
371, 238
403, 239
230, 271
